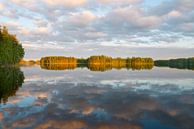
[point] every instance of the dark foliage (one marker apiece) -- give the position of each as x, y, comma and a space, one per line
11, 52
181, 63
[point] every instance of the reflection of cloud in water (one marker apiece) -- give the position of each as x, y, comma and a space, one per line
80, 124
83, 75
1, 116
100, 101
69, 124
126, 106
153, 86
14, 100
88, 110
80, 105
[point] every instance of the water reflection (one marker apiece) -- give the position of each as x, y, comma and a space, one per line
11, 78
82, 99
58, 66
96, 67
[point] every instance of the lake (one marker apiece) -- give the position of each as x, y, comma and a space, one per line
157, 98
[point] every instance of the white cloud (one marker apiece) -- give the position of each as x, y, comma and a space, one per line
187, 27
95, 35
66, 3
174, 13
42, 30
119, 1
24, 31
114, 22
41, 22
11, 24
81, 18
26, 3
185, 5
134, 17
1, 6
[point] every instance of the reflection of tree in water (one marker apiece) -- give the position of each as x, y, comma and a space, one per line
96, 63
11, 78
104, 67
140, 66
97, 67
58, 66
100, 67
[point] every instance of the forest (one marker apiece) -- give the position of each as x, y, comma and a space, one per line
104, 63
11, 51
180, 63
96, 63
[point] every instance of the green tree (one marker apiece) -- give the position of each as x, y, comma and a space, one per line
11, 51
180, 63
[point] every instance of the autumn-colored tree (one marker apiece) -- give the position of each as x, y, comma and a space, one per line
58, 63
96, 63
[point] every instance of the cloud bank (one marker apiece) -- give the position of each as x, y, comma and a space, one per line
63, 24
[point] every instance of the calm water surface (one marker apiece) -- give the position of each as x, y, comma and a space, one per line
161, 98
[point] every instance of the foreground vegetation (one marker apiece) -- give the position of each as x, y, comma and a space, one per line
11, 51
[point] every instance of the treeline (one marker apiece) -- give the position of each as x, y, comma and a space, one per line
96, 63
11, 51
180, 63
58, 60
58, 63
103, 63
109, 60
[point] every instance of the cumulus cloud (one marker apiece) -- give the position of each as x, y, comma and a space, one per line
113, 22
1, 116
174, 13
23, 2
66, 3
81, 19
185, 5
119, 1
187, 27
27, 4
69, 124
133, 17
1, 6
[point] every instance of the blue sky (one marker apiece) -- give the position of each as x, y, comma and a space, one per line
156, 28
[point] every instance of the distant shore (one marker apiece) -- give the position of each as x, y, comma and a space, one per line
29, 62
55, 61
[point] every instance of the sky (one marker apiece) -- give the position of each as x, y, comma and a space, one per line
160, 29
